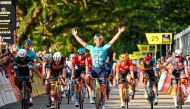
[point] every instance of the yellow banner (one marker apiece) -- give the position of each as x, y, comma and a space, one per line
147, 48
159, 38
138, 54
133, 56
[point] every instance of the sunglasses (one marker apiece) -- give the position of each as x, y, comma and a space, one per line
187, 55
80, 54
177, 56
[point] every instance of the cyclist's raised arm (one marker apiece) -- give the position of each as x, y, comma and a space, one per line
120, 30
185, 67
169, 60
74, 32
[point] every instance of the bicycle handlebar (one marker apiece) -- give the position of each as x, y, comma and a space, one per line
178, 79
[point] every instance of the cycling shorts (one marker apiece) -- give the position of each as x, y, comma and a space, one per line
176, 74
99, 71
123, 75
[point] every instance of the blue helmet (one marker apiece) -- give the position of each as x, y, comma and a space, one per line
81, 50
28, 41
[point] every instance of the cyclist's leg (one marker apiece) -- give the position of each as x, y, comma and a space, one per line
136, 80
145, 81
18, 82
53, 75
77, 75
114, 77
129, 82
175, 86
102, 73
122, 75
92, 74
183, 82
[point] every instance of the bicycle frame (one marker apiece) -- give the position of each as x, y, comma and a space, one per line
24, 92
180, 95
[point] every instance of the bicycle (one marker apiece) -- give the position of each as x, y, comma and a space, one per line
180, 100
69, 92
57, 90
126, 93
134, 85
98, 94
80, 93
24, 92
150, 91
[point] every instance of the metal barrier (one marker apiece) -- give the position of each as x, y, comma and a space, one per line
182, 40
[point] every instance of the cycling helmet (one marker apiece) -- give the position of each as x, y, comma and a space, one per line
81, 50
123, 57
47, 57
22, 53
57, 56
72, 55
98, 36
28, 41
134, 62
147, 57
178, 52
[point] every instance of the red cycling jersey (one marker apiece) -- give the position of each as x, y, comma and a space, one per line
79, 62
121, 66
89, 61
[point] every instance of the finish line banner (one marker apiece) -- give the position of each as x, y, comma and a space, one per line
7, 20
159, 38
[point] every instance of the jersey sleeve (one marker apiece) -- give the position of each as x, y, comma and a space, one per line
35, 56
142, 65
89, 47
16, 63
118, 65
29, 62
107, 46
169, 60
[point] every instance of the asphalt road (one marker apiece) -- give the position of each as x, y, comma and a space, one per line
165, 102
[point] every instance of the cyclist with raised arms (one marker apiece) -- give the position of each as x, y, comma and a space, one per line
124, 69
57, 67
179, 64
98, 53
23, 67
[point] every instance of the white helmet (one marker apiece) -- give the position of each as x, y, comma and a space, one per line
47, 57
57, 56
134, 62
178, 52
22, 53
72, 55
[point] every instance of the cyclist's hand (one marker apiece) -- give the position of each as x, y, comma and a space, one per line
72, 78
187, 81
121, 29
74, 32
47, 81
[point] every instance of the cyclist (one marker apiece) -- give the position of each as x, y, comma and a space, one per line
47, 58
147, 68
69, 73
179, 64
108, 66
22, 67
123, 70
57, 67
136, 71
82, 67
98, 53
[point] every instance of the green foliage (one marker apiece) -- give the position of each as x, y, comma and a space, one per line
98, 16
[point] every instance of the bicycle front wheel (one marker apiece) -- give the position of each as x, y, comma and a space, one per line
69, 94
81, 100
97, 98
180, 98
57, 100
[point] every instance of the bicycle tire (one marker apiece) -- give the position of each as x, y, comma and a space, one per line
57, 99
69, 94
97, 98
151, 97
132, 97
81, 100
180, 99
107, 89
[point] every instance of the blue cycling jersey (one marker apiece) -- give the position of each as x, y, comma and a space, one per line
30, 53
109, 67
99, 54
